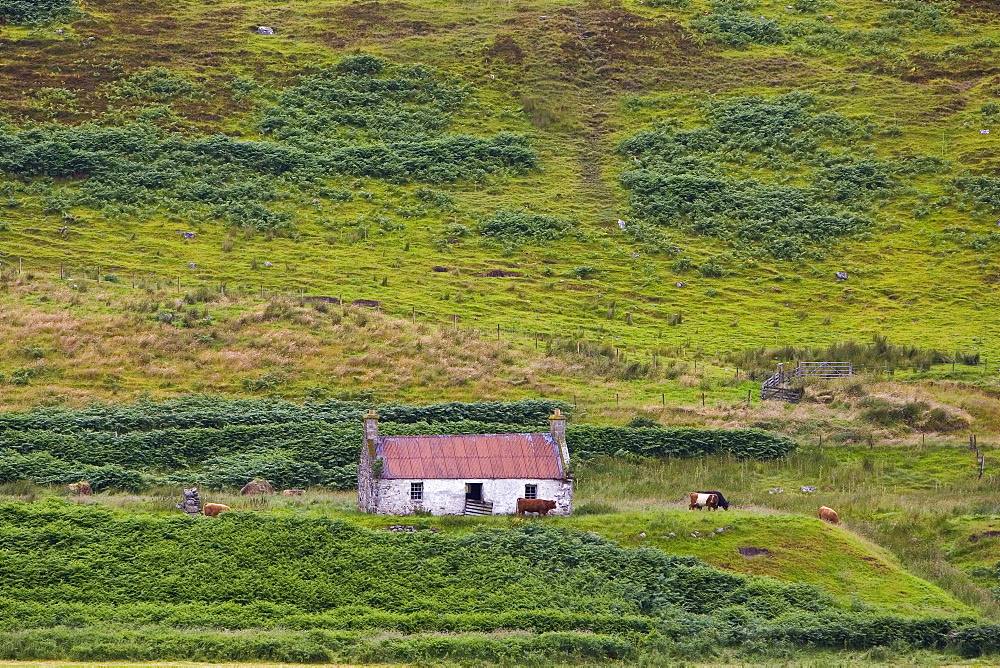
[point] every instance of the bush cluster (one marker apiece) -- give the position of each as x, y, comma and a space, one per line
213, 412
741, 28
586, 441
684, 178
356, 119
739, 23
519, 227
22, 12
85, 583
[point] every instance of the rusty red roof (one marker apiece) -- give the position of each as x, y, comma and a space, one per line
470, 456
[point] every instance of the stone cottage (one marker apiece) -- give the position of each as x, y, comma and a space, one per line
469, 474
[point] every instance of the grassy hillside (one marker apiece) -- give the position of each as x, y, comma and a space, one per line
880, 141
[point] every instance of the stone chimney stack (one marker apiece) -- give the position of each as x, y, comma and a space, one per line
371, 431
557, 427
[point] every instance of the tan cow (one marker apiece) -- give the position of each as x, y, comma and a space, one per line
293, 492
828, 515
213, 509
82, 488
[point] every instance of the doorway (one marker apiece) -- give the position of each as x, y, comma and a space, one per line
473, 491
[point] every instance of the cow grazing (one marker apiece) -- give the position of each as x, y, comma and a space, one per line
828, 515
213, 509
722, 500
293, 492
701, 500
82, 488
540, 506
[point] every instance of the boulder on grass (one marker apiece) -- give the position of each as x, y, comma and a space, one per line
257, 487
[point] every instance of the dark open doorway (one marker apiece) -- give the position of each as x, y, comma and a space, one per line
473, 491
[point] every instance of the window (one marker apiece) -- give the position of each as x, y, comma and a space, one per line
416, 491
531, 491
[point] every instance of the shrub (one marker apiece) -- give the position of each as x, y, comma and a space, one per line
155, 84
520, 227
976, 640
741, 29
278, 442
364, 118
36, 11
679, 177
587, 441
888, 414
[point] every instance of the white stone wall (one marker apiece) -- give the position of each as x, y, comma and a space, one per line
447, 497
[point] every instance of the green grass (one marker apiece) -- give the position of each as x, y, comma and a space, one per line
919, 505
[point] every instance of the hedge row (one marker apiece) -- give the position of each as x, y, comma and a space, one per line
332, 445
309, 453
213, 412
144, 644
586, 441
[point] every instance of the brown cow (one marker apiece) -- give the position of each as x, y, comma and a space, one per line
699, 499
540, 506
828, 515
213, 509
82, 488
293, 492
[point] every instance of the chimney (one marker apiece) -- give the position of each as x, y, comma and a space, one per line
557, 427
371, 431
